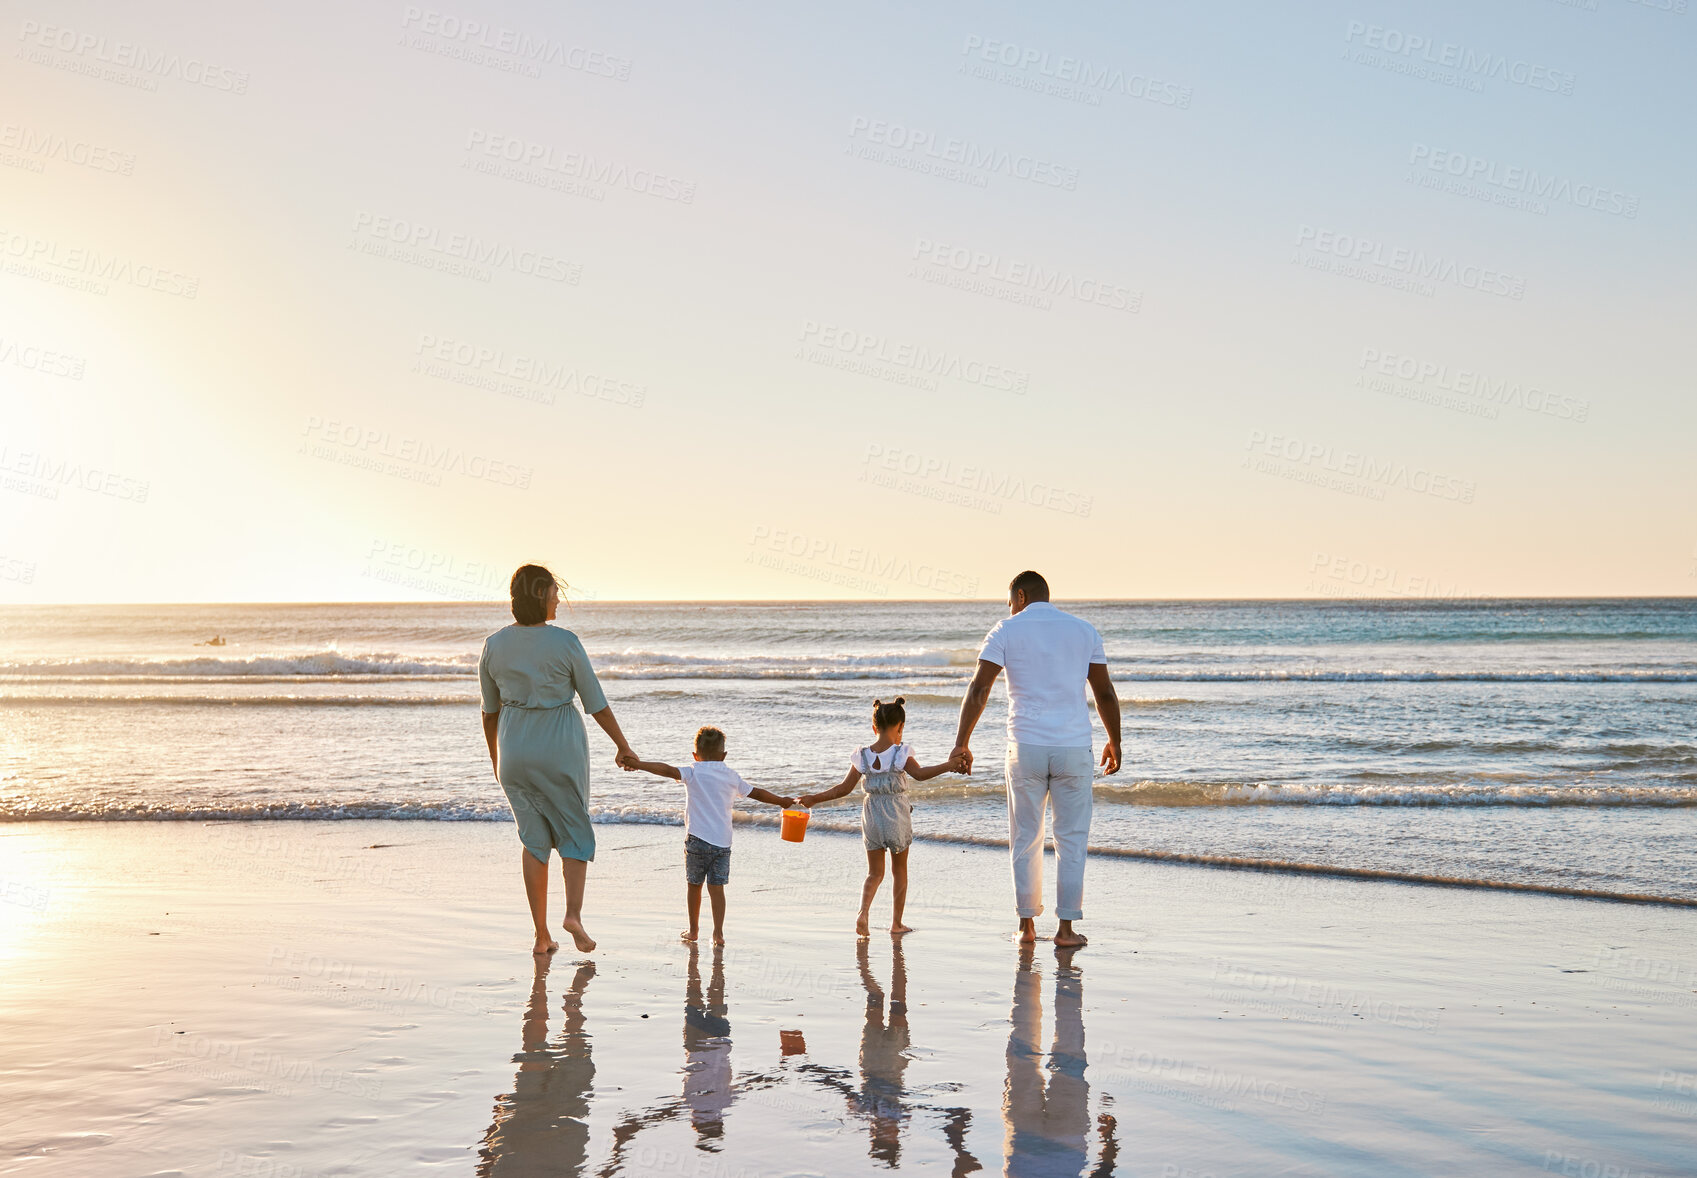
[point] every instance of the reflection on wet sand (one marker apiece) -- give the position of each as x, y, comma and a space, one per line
542, 1125
881, 1100
1048, 1123
707, 1050
709, 1083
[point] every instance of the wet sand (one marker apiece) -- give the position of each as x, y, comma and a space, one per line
321, 998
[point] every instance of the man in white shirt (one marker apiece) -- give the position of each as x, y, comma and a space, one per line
1050, 656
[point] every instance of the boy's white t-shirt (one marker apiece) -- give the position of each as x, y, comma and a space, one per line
710, 788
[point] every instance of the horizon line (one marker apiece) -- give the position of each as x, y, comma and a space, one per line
1453, 598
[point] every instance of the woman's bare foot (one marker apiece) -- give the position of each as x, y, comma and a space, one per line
545, 946
574, 928
719, 938
897, 930
860, 925
689, 935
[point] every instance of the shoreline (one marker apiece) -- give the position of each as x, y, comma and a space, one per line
1231, 863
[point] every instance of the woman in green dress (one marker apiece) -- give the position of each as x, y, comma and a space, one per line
529, 673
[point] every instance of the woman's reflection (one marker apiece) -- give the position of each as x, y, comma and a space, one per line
542, 1126
1048, 1120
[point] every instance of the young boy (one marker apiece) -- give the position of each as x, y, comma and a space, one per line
710, 789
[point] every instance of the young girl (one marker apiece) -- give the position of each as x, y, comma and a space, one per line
886, 816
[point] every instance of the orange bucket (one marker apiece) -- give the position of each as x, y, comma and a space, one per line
795, 826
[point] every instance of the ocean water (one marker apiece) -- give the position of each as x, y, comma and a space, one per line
1547, 743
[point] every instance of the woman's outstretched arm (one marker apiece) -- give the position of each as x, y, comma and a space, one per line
610, 725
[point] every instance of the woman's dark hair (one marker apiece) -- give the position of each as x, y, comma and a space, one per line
887, 715
530, 594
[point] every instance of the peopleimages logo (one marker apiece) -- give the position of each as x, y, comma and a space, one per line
1459, 165
1370, 472
464, 247
1035, 277
473, 38
1414, 264
128, 55
1076, 70
578, 165
914, 142
1500, 391
48, 145
1465, 61
870, 354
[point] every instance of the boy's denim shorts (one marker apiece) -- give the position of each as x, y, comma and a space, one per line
706, 863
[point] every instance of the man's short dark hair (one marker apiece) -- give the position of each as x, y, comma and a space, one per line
710, 742
1031, 584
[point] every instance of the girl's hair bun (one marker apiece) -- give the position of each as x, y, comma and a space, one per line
888, 715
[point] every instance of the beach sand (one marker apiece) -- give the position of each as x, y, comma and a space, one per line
318, 998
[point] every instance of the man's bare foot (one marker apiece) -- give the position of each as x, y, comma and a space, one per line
574, 928
689, 935
897, 930
1067, 938
860, 925
545, 946
1027, 931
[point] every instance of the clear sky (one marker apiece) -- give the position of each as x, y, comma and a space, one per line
375, 301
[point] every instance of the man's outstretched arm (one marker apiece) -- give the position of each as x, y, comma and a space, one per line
972, 707
1107, 707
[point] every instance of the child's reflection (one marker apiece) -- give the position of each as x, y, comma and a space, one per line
709, 1085
707, 1050
881, 1097
542, 1126
883, 1057
1048, 1122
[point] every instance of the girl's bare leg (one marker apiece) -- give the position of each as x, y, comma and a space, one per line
536, 891
874, 877
574, 872
898, 869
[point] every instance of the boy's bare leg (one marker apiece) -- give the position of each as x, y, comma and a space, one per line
1066, 938
536, 891
716, 893
898, 894
874, 877
574, 871
692, 904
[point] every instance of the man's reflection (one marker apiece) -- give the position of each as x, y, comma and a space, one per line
542, 1126
1048, 1120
